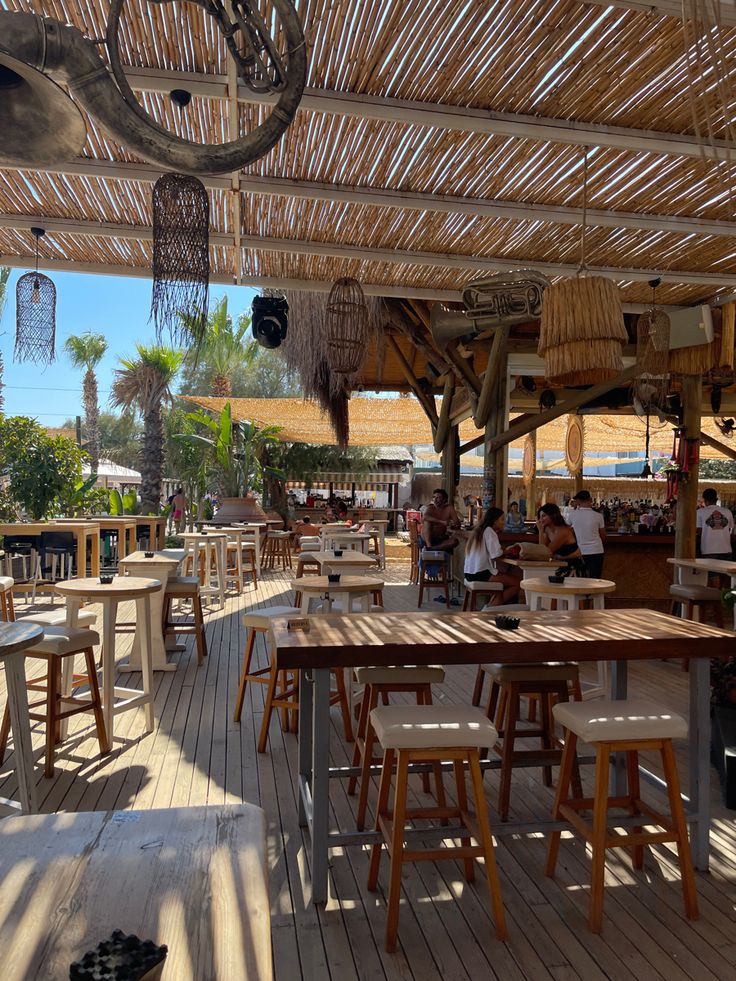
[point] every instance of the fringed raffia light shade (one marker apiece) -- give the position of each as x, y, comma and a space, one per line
181, 257
346, 327
582, 331
35, 319
652, 357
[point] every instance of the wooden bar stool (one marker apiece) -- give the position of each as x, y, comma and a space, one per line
431, 734
480, 676
278, 550
630, 726
694, 601
185, 588
307, 565
475, 589
250, 562
380, 683
508, 683
7, 610
433, 573
58, 644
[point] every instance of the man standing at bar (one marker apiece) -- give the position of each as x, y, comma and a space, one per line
590, 531
714, 525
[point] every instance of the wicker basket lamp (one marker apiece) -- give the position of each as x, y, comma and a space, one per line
346, 327
582, 331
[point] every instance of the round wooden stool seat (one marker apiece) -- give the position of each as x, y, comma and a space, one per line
603, 720
432, 674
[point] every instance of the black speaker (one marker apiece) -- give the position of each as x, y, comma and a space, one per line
269, 320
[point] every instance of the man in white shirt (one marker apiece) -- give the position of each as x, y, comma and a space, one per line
714, 524
590, 531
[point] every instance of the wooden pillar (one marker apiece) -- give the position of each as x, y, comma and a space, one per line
495, 465
530, 473
451, 462
687, 496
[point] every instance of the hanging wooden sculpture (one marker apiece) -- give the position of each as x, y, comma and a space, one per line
582, 331
181, 258
574, 444
35, 315
652, 356
346, 327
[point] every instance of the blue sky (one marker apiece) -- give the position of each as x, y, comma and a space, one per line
111, 305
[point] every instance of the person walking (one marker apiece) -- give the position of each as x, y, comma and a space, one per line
179, 506
590, 530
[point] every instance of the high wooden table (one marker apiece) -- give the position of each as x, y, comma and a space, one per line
14, 639
124, 526
572, 591
349, 559
618, 636
348, 590
83, 532
162, 567
156, 525
193, 878
121, 588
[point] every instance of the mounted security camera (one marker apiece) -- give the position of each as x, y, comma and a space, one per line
269, 320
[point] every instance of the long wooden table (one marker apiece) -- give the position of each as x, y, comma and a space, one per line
82, 531
618, 636
193, 878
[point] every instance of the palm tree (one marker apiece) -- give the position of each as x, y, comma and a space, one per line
86, 351
4, 275
144, 384
223, 353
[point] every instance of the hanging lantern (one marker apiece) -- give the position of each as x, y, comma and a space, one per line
581, 331
346, 327
652, 356
181, 257
35, 315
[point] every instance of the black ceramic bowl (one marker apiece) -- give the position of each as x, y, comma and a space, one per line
338, 553
556, 578
333, 577
105, 580
149, 555
507, 623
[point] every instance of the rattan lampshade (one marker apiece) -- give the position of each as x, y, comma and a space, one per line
346, 327
582, 331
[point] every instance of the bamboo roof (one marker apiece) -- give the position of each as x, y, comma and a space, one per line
436, 140
378, 421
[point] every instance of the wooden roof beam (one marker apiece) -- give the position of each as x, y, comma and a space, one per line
387, 198
447, 117
473, 264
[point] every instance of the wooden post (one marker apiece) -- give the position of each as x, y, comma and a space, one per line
687, 497
530, 475
451, 462
494, 466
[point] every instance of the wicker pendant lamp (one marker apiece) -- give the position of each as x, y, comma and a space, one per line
35, 315
582, 328
181, 258
346, 327
652, 357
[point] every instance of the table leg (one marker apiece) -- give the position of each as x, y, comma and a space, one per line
700, 761
306, 712
109, 619
320, 783
143, 616
95, 559
619, 688
20, 725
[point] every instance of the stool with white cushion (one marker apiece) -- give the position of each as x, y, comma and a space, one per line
57, 618
474, 589
7, 610
509, 682
693, 601
58, 644
378, 683
630, 726
432, 734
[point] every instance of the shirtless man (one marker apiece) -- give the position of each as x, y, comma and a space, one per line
439, 521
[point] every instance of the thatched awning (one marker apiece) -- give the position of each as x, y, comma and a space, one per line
377, 421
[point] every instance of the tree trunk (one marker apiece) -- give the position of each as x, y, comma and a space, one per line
152, 461
92, 418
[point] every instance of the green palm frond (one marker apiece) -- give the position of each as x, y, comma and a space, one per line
85, 350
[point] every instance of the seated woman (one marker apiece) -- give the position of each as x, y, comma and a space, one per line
481, 554
514, 518
559, 537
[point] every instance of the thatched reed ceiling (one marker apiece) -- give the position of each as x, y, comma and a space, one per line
437, 139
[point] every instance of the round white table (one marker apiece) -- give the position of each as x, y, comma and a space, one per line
569, 593
350, 590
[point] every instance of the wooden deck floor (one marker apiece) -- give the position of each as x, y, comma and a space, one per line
197, 755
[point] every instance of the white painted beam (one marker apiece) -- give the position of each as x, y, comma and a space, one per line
441, 116
473, 264
383, 198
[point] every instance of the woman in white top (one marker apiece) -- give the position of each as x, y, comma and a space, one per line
481, 554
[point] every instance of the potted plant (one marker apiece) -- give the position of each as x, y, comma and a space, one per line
234, 454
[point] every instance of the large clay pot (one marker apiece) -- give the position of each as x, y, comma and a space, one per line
239, 509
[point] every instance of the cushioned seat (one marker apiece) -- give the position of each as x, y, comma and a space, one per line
57, 618
603, 720
552, 671
6, 582
64, 640
432, 674
704, 594
261, 619
432, 727
182, 583
483, 587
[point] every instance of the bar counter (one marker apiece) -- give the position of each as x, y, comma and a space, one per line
636, 563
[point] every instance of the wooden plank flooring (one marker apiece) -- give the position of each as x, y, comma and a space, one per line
198, 755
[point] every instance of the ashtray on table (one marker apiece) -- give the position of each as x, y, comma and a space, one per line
507, 623
556, 578
106, 580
